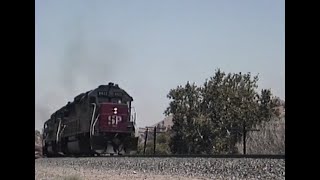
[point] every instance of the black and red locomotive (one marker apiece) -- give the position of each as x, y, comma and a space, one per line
100, 121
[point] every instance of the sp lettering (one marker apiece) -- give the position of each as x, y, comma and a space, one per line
114, 120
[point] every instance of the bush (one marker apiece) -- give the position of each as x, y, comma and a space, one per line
162, 146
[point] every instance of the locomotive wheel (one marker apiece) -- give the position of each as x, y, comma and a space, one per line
121, 149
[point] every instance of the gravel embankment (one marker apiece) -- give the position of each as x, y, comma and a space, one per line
159, 168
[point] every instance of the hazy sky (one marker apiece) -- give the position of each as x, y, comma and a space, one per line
151, 46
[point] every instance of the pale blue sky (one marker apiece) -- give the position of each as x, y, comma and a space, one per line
151, 46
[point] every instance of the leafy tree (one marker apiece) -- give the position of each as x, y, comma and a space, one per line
209, 119
185, 107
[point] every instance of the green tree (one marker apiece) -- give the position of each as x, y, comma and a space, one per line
185, 107
209, 119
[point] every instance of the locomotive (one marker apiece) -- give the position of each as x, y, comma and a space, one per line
100, 121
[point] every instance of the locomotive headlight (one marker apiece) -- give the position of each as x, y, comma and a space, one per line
115, 110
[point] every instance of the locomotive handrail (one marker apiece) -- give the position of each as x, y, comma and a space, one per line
64, 126
134, 115
94, 124
58, 131
91, 123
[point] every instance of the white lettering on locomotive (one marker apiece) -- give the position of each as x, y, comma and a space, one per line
102, 93
114, 120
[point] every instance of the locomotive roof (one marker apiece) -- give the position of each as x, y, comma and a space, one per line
81, 95
114, 86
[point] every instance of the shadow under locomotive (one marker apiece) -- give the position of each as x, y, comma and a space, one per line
97, 122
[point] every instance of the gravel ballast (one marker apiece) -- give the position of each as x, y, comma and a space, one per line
159, 168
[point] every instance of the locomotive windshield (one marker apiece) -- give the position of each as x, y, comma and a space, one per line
113, 94
112, 100
117, 100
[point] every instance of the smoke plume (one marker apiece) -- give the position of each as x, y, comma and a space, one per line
88, 60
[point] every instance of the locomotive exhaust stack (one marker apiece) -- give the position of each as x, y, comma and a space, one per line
96, 122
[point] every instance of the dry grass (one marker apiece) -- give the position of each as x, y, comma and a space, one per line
269, 140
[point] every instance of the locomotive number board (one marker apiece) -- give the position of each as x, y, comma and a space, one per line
105, 93
102, 93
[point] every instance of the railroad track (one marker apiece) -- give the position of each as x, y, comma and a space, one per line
188, 167
250, 156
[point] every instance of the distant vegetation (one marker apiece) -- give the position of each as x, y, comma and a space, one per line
38, 144
269, 140
162, 144
209, 119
